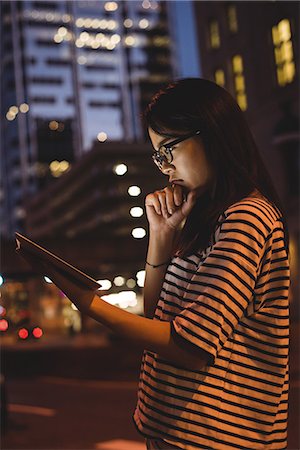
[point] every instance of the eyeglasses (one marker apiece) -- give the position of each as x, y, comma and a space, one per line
164, 153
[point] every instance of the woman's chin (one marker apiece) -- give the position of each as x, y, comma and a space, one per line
200, 190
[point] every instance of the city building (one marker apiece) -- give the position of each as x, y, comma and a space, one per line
73, 72
252, 49
76, 76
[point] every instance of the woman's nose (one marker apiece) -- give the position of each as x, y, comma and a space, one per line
167, 168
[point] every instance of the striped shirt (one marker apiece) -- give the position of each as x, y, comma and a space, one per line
231, 300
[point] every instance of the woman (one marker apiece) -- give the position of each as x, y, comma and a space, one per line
215, 372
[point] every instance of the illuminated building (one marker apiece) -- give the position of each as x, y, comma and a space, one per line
73, 71
252, 50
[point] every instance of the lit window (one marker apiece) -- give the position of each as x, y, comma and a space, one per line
79, 43
14, 109
57, 168
10, 116
283, 52
144, 23
146, 4
131, 283
120, 169
102, 136
134, 191
239, 81
53, 125
105, 285
220, 77
111, 6
115, 39
80, 22
140, 276
128, 23
232, 19
111, 24
130, 41
87, 23
138, 233
62, 31
214, 34
58, 39
136, 211
119, 281
24, 107
237, 63
81, 60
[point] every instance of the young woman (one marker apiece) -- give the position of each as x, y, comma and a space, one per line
215, 370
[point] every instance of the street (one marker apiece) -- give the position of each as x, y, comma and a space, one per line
82, 394
57, 413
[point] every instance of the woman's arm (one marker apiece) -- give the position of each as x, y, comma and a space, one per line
159, 252
153, 335
166, 210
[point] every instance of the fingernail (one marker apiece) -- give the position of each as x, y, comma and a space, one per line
170, 211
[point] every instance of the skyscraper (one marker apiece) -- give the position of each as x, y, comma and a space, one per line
73, 72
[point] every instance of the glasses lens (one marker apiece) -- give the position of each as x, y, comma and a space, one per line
165, 154
157, 159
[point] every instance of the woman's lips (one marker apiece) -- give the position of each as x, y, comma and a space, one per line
176, 181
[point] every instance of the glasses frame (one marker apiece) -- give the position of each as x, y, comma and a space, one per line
167, 157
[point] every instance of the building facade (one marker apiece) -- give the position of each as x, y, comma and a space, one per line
252, 50
73, 72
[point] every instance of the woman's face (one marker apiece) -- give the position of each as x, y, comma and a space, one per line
190, 167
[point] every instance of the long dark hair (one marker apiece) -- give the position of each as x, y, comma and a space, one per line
192, 104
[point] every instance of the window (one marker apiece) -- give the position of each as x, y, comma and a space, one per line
42, 80
99, 67
45, 43
58, 62
232, 18
99, 104
44, 5
220, 77
214, 34
239, 81
43, 99
283, 52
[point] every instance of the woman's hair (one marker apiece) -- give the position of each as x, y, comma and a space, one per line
192, 104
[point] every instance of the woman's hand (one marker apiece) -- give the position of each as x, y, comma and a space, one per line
166, 209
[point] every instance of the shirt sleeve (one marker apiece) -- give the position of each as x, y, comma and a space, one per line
223, 286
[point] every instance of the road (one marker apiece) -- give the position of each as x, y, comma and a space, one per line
82, 397
59, 413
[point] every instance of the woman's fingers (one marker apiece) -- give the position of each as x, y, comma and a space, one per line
163, 203
152, 200
190, 202
167, 201
178, 194
170, 200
